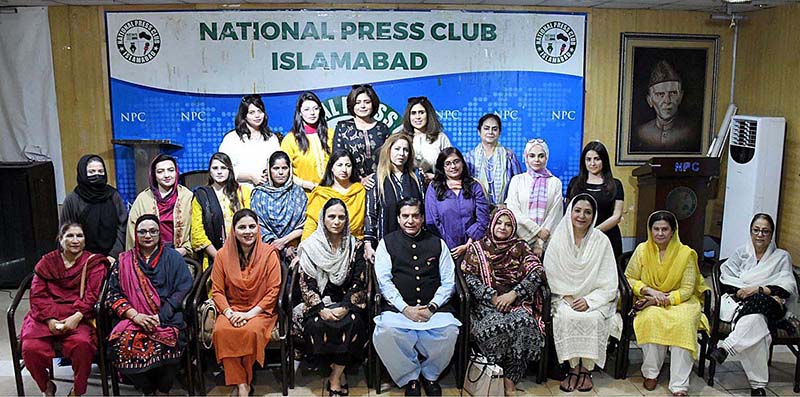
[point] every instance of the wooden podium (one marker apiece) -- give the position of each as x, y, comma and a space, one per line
144, 151
681, 185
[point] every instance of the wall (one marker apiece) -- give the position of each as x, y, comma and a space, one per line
767, 85
81, 76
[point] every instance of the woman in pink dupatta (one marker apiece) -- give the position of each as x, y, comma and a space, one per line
65, 287
503, 276
146, 288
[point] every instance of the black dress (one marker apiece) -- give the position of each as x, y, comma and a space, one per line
363, 145
341, 342
606, 200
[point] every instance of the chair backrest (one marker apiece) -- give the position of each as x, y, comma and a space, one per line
193, 179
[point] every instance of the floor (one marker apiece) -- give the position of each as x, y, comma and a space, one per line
730, 379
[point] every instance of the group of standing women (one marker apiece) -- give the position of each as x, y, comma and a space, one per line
321, 199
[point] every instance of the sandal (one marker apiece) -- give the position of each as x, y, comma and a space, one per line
680, 393
345, 390
51, 389
333, 393
569, 383
582, 379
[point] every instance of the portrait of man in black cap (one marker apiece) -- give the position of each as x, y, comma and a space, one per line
670, 130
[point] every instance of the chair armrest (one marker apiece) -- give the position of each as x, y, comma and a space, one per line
462, 291
547, 304
187, 300
716, 286
625, 293
12, 310
198, 295
282, 309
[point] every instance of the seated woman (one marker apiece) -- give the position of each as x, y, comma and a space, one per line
582, 275
535, 197
455, 205
246, 280
490, 163
145, 291
280, 205
760, 276
169, 201
213, 207
98, 206
503, 276
394, 181
665, 279
340, 181
66, 284
333, 283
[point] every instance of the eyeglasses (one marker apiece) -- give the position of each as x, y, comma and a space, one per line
357, 86
152, 232
453, 163
418, 99
536, 140
763, 232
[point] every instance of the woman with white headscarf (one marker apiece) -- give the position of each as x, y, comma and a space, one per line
535, 197
761, 277
333, 284
582, 275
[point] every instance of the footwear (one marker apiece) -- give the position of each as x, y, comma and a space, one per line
650, 384
718, 354
51, 389
333, 393
582, 379
345, 390
412, 388
680, 393
252, 390
570, 387
758, 392
431, 387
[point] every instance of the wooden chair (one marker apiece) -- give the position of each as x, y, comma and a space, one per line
721, 329
627, 329
193, 179
278, 339
16, 345
105, 318
460, 300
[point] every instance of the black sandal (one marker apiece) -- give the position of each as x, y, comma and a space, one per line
569, 381
345, 390
581, 379
333, 393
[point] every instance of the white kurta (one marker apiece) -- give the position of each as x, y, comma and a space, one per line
250, 155
426, 153
519, 193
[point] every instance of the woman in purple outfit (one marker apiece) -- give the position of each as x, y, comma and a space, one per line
455, 205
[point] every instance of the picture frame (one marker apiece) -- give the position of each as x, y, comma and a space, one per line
667, 95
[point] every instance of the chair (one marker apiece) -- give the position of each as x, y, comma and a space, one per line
459, 361
193, 179
721, 329
627, 329
292, 301
105, 318
16, 344
278, 339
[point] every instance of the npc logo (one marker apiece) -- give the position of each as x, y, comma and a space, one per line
138, 41
556, 42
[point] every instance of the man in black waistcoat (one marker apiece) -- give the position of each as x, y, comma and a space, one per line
416, 276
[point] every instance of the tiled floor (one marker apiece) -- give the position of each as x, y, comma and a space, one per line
730, 379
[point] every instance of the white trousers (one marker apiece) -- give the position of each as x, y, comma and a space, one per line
587, 363
399, 350
680, 365
749, 343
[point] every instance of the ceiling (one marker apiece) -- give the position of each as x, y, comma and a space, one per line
687, 5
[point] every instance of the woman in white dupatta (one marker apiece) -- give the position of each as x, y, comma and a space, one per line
761, 276
582, 274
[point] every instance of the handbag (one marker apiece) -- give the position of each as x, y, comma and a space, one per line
728, 306
207, 314
484, 378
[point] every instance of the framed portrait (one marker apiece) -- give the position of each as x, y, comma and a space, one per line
667, 95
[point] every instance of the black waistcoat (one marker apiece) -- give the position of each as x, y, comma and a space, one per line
415, 268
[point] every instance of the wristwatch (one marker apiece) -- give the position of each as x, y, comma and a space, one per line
433, 307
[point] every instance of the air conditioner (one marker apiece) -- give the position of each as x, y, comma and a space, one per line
753, 182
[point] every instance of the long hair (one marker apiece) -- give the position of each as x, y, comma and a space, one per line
359, 89
583, 175
243, 213
231, 187
297, 124
240, 122
432, 128
385, 161
440, 178
328, 178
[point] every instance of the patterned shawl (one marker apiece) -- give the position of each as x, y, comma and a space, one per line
281, 209
491, 170
537, 204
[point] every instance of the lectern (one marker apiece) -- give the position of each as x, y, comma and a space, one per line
681, 185
144, 150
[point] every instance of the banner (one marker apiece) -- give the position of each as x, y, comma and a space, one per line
179, 75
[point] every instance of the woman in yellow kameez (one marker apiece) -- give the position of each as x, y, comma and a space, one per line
213, 207
340, 182
309, 143
669, 288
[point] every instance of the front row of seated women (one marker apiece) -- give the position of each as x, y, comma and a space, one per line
150, 280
